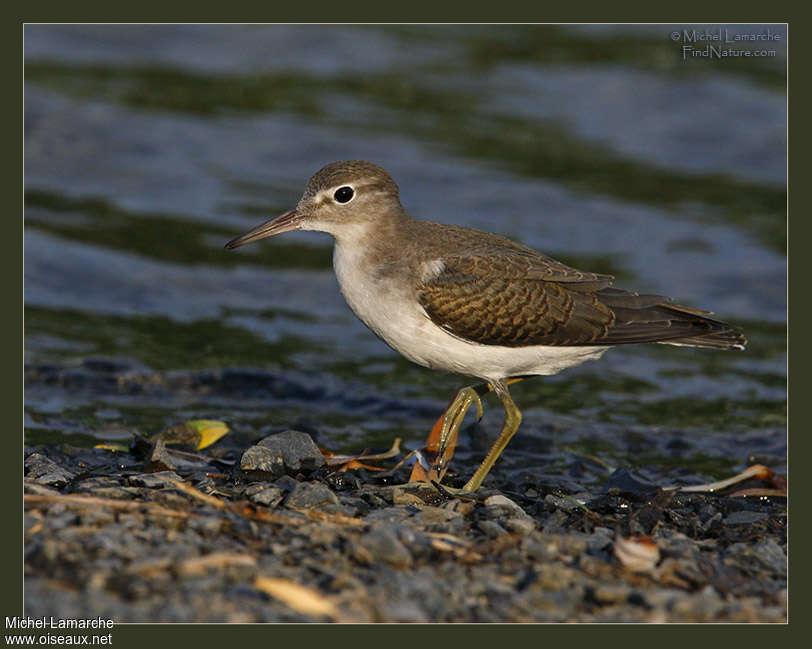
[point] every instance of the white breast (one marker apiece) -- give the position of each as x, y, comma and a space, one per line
391, 310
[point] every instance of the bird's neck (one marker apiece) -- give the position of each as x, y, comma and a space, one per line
376, 235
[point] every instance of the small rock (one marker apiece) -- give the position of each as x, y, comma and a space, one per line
624, 482
92, 484
491, 528
264, 460
519, 525
43, 470
159, 459
437, 519
499, 505
310, 494
297, 450
553, 503
158, 480
383, 545
403, 497
600, 538
611, 593
417, 542
207, 526
702, 607
744, 518
772, 555
396, 513
264, 494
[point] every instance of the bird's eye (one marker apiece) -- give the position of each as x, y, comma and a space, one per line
343, 194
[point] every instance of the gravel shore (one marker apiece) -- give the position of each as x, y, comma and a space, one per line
269, 533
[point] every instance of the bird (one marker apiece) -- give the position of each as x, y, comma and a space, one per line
474, 303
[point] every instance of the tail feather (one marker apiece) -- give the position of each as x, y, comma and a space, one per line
654, 318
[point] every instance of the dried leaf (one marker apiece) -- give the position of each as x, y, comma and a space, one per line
215, 560
112, 446
300, 598
434, 456
334, 459
353, 465
199, 433
637, 553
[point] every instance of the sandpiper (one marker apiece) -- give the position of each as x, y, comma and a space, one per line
456, 299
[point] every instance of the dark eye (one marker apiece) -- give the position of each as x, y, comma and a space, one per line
343, 194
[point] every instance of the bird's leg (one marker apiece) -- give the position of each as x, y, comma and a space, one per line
449, 425
451, 421
513, 418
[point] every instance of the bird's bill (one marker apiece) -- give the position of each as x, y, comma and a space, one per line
282, 223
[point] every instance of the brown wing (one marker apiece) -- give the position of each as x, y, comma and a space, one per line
519, 300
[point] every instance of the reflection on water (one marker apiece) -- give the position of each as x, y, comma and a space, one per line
148, 147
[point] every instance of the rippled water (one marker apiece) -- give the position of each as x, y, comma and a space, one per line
148, 147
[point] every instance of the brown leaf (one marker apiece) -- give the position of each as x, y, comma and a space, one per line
302, 599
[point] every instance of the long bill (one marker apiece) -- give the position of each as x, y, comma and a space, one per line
277, 225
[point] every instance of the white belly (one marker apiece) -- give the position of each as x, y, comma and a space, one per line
394, 314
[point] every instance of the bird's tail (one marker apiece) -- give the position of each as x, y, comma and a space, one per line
720, 335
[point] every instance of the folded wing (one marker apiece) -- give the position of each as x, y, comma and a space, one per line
523, 299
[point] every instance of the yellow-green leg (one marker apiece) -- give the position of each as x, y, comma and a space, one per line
513, 418
455, 413
452, 420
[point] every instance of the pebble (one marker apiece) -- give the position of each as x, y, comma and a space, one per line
611, 593
771, 554
310, 494
159, 458
600, 539
462, 561
45, 471
555, 503
297, 450
264, 494
702, 607
491, 528
383, 544
263, 460
520, 525
159, 480
396, 513
498, 505
744, 518
438, 519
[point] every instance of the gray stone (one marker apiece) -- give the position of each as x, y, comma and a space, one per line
554, 502
600, 539
158, 480
310, 494
260, 458
491, 528
520, 525
263, 494
383, 545
297, 450
396, 513
43, 470
500, 505
159, 459
438, 519
772, 555
744, 518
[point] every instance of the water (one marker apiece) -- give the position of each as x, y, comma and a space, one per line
148, 147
